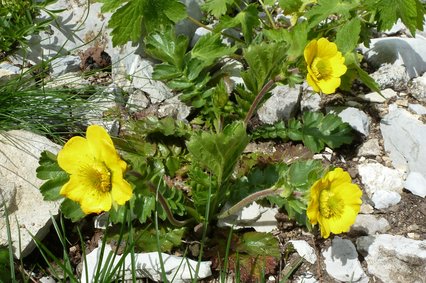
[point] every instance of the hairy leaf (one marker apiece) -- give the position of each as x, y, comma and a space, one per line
72, 210
326, 8
139, 17
217, 7
247, 19
318, 130
56, 177
219, 152
265, 61
348, 35
411, 12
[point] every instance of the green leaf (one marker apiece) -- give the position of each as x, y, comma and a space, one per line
411, 12
217, 7
326, 8
139, 17
290, 6
367, 80
219, 152
248, 19
277, 130
318, 130
168, 47
110, 5
209, 48
169, 239
265, 61
72, 210
348, 35
259, 244
56, 177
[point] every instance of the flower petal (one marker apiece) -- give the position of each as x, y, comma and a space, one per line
100, 142
75, 153
312, 82
95, 201
338, 64
310, 52
326, 48
74, 189
121, 190
329, 86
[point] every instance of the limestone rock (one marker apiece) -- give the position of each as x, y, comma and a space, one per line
8, 71
281, 105
408, 52
417, 88
416, 183
341, 262
417, 109
375, 97
383, 185
391, 76
310, 102
177, 269
394, 259
370, 224
173, 107
19, 153
370, 148
65, 64
408, 153
357, 119
304, 250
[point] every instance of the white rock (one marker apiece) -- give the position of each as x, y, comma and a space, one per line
47, 279
304, 250
408, 52
137, 101
7, 197
8, 71
394, 259
68, 80
357, 119
341, 262
377, 98
404, 138
417, 109
387, 183
199, 32
141, 78
370, 225
262, 219
281, 105
173, 107
232, 69
306, 277
370, 148
147, 265
384, 199
28, 213
310, 102
416, 183
65, 64
391, 76
417, 88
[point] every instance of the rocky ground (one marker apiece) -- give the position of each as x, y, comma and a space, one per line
388, 241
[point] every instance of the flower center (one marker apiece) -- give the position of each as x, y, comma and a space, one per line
322, 69
330, 204
99, 177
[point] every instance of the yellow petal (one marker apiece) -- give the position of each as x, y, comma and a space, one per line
100, 142
95, 201
310, 52
329, 86
74, 154
74, 189
121, 190
338, 65
326, 48
312, 82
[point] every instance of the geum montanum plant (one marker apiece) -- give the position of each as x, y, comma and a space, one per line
191, 174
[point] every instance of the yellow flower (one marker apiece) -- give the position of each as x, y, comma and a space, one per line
325, 65
334, 202
96, 172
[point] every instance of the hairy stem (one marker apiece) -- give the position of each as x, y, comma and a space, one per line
271, 21
251, 198
259, 97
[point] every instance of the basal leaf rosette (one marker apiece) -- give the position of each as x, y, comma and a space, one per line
96, 172
325, 65
334, 202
